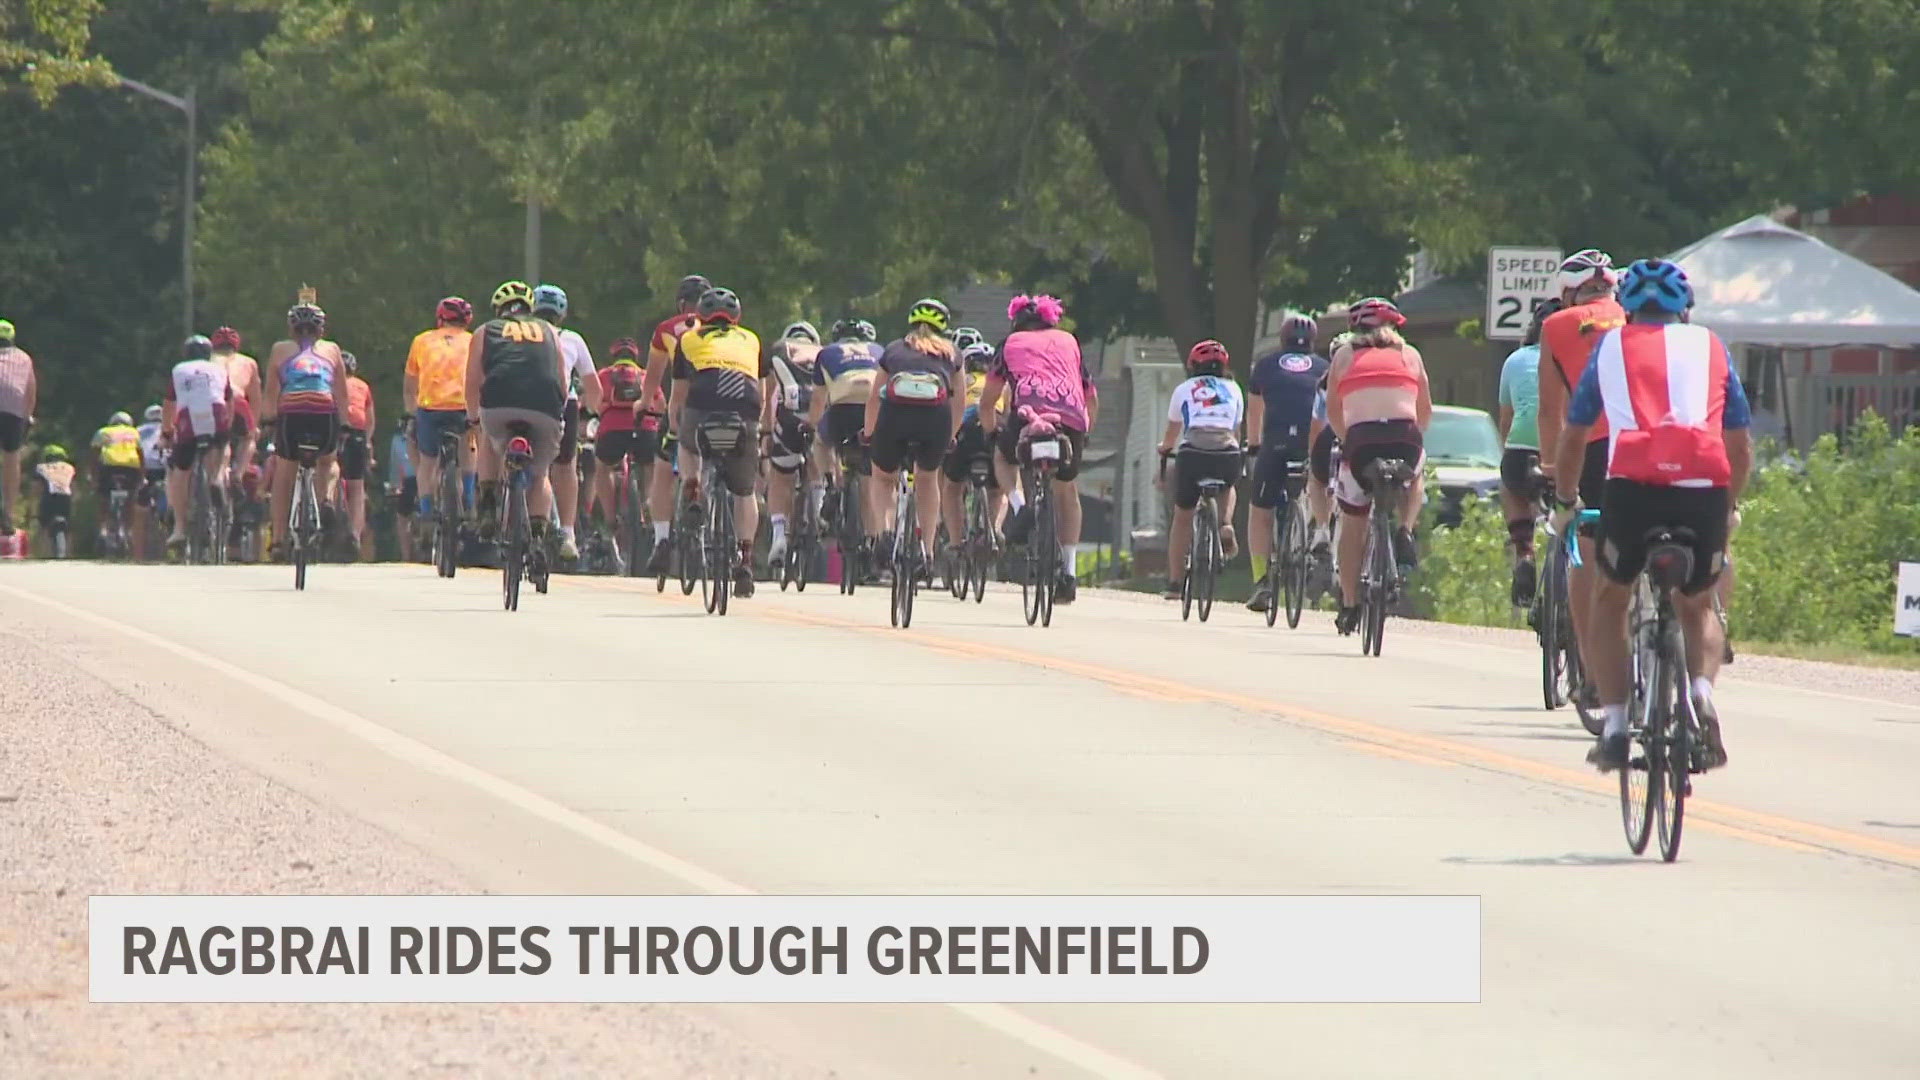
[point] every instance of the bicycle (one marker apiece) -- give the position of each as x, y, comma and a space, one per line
803, 544
976, 550
849, 533
153, 495
206, 529
117, 536
304, 534
1380, 577
906, 562
1562, 675
1041, 444
1205, 555
717, 439
635, 531
522, 559
446, 506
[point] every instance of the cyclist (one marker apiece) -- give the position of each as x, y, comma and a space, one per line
969, 444
55, 474
717, 371
308, 400
660, 363
434, 393
116, 461
915, 411
791, 365
199, 403
1567, 338
1520, 432
1678, 455
550, 303
403, 484
1041, 363
19, 392
1320, 459
1283, 387
846, 371
153, 464
1204, 418
516, 374
1379, 405
965, 337
356, 447
243, 374
627, 427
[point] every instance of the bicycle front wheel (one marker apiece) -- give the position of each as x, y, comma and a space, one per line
1206, 562
514, 559
1294, 563
1547, 603
1674, 779
1640, 787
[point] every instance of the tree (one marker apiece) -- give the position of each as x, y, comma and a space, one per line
46, 41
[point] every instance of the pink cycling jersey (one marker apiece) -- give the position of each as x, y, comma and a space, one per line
1045, 371
16, 367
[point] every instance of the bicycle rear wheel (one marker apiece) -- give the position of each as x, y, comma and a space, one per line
1206, 538
1640, 787
1377, 574
1049, 540
1297, 562
514, 559
1547, 604
1674, 779
634, 534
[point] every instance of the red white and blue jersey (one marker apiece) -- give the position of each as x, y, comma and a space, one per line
1669, 393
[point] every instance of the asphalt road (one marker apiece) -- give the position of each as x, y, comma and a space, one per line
609, 739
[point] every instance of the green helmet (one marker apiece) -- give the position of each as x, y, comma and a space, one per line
6, 331
54, 452
930, 312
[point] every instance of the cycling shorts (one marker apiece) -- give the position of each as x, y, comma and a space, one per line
1192, 465
1270, 473
1516, 471
13, 432
1007, 440
430, 424
1320, 457
1634, 509
353, 455
969, 447
916, 433
741, 466
318, 430
1370, 441
791, 441
614, 445
843, 424
569, 433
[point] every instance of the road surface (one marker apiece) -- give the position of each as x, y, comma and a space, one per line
607, 739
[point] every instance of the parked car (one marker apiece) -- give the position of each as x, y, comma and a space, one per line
1463, 446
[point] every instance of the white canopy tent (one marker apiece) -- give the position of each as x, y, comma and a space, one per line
1761, 283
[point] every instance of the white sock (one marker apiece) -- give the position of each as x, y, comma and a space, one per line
1066, 557
816, 493
779, 527
1616, 719
1702, 689
566, 533
1015, 500
660, 532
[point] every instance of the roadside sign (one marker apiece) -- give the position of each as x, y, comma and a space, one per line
1519, 280
1906, 601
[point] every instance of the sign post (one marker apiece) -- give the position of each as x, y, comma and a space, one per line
1906, 601
1519, 280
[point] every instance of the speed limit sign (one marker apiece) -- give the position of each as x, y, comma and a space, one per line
1519, 280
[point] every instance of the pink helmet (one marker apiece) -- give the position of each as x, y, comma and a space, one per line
454, 310
226, 338
1207, 352
1374, 311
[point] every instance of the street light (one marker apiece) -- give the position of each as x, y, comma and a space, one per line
187, 200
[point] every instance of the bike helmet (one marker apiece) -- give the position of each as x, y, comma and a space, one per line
454, 311
1374, 311
1583, 267
307, 317
801, 331
1026, 312
349, 361
1547, 307
510, 293
978, 356
1208, 353
53, 452
719, 305
1297, 331
845, 329
692, 288
6, 332
966, 337
120, 419
1655, 283
550, 298
929, 312
866, 330
226, 338
196, 347
625, 346
154, 414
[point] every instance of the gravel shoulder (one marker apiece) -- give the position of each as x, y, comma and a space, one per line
98, 794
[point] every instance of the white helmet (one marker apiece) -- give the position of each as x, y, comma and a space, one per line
153, 414
1583, 267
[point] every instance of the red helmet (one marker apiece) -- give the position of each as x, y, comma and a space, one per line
1207, 352
226, 338
625, 346
1374, 311
455, 311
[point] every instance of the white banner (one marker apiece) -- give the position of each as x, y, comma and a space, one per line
786, 948
1519, 280
1906, 601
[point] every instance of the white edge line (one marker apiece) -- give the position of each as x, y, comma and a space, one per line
1008, 1022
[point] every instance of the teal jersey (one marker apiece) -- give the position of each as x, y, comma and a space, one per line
1520, 391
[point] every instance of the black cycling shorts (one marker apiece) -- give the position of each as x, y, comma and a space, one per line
187, 451
1007, 439
917, 433
1270, 473
1377, 440
1192, 465
1320, 457
353, 455
1517, 466
969, 447
741, 466
1634, 509
13, 432
614, 445
318, 430
842, 425
1593, 475
792, 439
407, 500
569, 433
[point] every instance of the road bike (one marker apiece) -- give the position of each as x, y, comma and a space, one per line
1041, 445
849, 531
1552, 615
906, 562
158, 518
717, 439
803, 538
974, 557
522, 559
304, 534
1381, 580
1205, 555
206, 520
116, 535
446, 505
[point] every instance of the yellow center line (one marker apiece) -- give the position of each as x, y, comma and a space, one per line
1771, 829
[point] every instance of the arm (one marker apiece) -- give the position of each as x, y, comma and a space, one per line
1506, 401
1167, 437
590, 390
1553, 408
373, 420
410, 384
675, 403
1336, 405
1736, 424
256, 391
658, 361
873, 411
270, 409
990, 403
1256, 412
1423, 405
957, 398
1580, 415
475, 375
342, 398
33, 391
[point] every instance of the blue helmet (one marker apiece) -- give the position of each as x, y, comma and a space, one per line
1655, 283
550, 298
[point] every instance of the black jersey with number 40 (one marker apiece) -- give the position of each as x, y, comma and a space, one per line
520, 365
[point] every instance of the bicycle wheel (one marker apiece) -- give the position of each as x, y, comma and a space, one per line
1296, 564
1049, 542
1640, 787
805, 547
513, 559
1206, 562
634, 535
1377, 573
1547, 603
1674, 779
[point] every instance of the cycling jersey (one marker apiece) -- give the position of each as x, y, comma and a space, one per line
437, 361
1520, 391
580, 369
1046, 372
306, 382
16, 368
1669, 392
667, 334
520, 367
119, 446
1571, 335
723, 366
151, 456
57, 475
359, 403
847, 369
1211, 404
791, 365
1287, 383
1380, 369
976, 389
621, 384
200, 395
916, 378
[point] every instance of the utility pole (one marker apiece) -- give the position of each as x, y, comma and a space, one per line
189, 196
533, 204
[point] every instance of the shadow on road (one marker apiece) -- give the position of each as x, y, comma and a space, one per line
1570, 859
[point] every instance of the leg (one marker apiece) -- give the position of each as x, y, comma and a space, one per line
660, 497
927, 484
565, 482
540, 496
953, 502
780, 488
1583, 584
1607, 647
280, 502
1178, 541
1353, 549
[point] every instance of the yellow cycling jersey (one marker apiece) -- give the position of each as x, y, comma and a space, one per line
976, 386
733, 348
119, 446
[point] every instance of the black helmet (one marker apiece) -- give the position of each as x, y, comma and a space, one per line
719, 305
1551, 305
692, 288
350, 361
1297, 331
197, 347
846, 329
